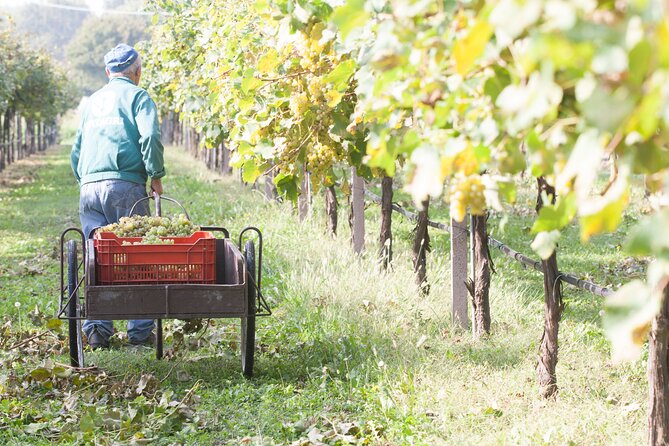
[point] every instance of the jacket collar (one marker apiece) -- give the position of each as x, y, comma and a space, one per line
121, 79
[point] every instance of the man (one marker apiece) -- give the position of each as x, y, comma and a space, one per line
116, 150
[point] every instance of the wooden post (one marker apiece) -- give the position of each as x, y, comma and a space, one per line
305, 196
459, 255
2, 143
358, 207
386, 235
225, 160
421, 246
331, 210
480, 283
40, 136
271, 192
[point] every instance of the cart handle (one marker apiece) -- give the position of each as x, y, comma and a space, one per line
225, 232
63, 304
157, 198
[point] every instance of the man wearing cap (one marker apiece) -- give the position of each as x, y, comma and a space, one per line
116, 151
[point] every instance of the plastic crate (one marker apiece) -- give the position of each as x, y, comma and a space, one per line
189, 260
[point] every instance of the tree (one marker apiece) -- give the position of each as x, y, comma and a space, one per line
95, 37
49, 29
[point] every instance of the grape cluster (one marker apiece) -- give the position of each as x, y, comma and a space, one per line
310, 51
153, 230
315, 86
320, 157
150, 241
464, 192
308, 139
299, 103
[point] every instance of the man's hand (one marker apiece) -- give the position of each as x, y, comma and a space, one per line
157, 185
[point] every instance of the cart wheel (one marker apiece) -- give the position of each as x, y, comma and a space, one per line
249, 323
73, 308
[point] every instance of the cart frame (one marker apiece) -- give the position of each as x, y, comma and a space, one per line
237, 292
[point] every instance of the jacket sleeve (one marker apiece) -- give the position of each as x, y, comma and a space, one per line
146, 117
74, 155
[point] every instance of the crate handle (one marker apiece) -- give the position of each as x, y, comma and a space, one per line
158, 207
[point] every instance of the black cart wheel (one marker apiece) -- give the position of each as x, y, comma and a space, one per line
249, 323
73, 307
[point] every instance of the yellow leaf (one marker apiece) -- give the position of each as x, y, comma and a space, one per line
269, 61
467, 50
345, 188
606, 219
466, 161
333, 97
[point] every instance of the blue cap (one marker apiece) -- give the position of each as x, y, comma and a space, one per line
120, 58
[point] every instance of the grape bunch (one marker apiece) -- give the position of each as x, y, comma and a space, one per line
150, 241
153, 230
321, 157
299, 103
310, 50
467, 192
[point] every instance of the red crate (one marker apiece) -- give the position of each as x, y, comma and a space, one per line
189, 260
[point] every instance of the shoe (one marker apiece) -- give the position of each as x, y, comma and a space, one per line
148, 342
98, 341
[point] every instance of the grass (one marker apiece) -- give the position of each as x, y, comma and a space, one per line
350, 353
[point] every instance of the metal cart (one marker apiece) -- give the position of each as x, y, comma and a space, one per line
236, 292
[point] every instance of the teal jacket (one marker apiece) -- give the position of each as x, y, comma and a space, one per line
119, 136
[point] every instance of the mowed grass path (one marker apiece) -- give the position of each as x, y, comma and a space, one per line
346, 343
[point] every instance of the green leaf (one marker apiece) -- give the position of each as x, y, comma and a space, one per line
662, 42
467, 50
647, 158
410, 140
250, 82
645, 238
482, 154
350, 16
40, 374
341, 74
61, 372
250, 171
647, 115
54, 323
286, 185
493, 412
618, 105
545, 243
627, 317
639, 61
86, 424
495, 84
507, 191
381, 153
269, 61
556, 216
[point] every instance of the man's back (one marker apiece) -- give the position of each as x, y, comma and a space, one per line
118, 136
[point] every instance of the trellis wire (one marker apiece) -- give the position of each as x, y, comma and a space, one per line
515, 255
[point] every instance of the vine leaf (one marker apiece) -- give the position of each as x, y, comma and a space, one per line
627, 318
350, 16
467, 50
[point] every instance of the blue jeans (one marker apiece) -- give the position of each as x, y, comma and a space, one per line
102, 203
